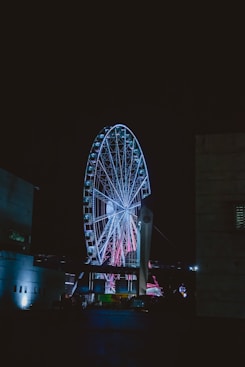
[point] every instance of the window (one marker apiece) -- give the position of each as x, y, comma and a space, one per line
240, 216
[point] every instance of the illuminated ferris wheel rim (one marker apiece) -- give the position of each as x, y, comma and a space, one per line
116, 181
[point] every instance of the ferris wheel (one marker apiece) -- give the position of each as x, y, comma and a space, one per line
115, 183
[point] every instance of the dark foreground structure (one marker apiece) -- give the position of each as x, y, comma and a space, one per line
119, 338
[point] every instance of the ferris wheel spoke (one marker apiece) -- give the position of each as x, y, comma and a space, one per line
113, 161
108, 184
137, 193
133, 234
101, 197
104, 237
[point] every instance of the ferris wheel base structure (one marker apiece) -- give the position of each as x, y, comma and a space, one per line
133, 280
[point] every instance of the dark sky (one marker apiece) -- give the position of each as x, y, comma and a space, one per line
59, 92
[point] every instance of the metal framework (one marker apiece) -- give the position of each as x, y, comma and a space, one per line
116, 181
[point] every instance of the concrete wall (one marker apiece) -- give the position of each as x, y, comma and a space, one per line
220, 247
25, 286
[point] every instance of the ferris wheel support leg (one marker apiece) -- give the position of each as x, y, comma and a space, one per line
146, 218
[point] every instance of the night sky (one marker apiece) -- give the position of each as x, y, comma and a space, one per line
56, 99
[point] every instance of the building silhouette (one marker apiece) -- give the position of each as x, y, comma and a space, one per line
24, 283
220, 225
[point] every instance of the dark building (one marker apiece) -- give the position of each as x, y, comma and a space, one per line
23, 284
220, 225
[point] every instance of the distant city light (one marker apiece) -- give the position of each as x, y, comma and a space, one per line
193, 268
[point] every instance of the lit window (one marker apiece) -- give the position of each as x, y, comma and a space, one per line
240, 216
